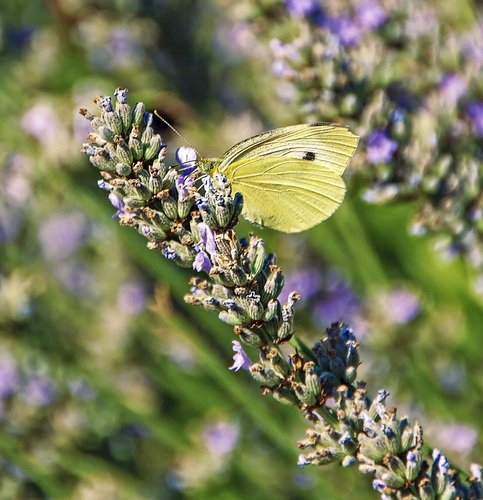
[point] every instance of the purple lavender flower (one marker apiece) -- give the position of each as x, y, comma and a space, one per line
62, 233
346, 29
187, 158
306, 281
475, 114
202, 260
370, 14
118, 203
240, 359
38, 391
184, 183
8, 374
220, 438
380, 148
208, 238
452, 87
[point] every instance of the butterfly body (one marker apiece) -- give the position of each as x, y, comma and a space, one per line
290, 177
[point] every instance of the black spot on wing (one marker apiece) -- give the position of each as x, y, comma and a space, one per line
309, 155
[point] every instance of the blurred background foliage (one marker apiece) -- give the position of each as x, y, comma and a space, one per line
112, 387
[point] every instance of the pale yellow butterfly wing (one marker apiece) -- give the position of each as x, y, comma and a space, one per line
325, 144
286, 194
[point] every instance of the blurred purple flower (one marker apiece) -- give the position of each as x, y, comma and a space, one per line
75, 277
475, 114
18, 38
240, 359
62, 233
38, 391
131, 297
308, 282
380, 148
221, 438
302, 8
16, 189
401, 307
370, 14
8, 374
456, 437
122, 45
40, 122
81, 389
340, 303
452, 87
346, 29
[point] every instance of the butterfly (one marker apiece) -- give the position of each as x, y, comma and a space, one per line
290, 177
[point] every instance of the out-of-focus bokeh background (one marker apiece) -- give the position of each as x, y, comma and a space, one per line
112, 387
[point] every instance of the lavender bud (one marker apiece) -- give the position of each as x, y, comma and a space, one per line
414, 460
233, 318
135, 144
123, 109
123, 152
113, 121
392, 480
272, 310
248, 336
138, 114
153, 148
106, 133
273, 285
222, 213
256, 254
123, 169
103, 161
312, 382
169, 204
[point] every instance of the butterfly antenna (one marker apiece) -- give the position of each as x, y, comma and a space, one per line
174, 130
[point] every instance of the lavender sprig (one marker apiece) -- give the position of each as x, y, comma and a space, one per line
191, 220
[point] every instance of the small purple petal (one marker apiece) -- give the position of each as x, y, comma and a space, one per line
202, 262
187, 158
240, 359
183, 186
208, 238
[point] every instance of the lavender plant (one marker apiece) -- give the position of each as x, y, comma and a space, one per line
408, 84
191, 218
